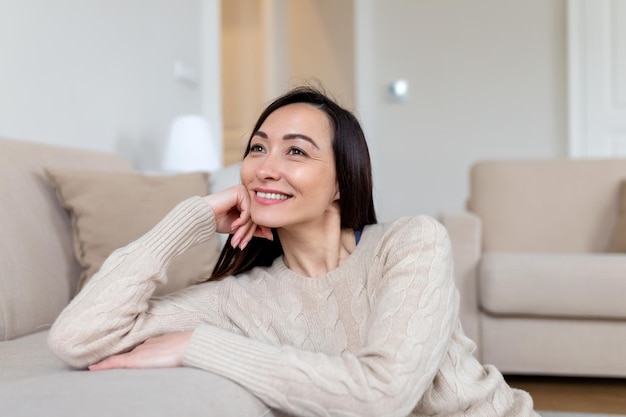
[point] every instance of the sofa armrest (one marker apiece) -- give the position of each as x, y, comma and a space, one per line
465, 234
38, 269
224, 178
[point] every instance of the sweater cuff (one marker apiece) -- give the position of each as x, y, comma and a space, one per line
190, 223
246, 361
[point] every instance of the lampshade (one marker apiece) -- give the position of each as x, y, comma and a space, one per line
191, 146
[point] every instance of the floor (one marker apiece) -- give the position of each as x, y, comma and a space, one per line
585, 395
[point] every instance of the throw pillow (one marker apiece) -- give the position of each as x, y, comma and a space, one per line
111, 209
618, 240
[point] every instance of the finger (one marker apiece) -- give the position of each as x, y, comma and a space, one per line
240, 234
264, 232
240, 221
248, 236
243, 207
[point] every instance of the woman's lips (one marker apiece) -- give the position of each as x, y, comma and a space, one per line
270, 197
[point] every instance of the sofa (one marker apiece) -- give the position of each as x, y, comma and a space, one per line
540, 264
42, 260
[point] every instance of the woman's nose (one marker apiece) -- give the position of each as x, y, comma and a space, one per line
269, 169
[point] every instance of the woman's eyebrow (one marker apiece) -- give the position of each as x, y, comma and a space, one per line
292, 136
288, 136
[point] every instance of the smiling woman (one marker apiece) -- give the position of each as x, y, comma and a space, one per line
304, 146
313, 307
288, 165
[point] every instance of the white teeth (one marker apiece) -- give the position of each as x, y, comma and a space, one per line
272, 196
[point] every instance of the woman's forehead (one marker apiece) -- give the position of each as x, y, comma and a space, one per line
298, 118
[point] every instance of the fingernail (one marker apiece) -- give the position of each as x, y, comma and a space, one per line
243, 245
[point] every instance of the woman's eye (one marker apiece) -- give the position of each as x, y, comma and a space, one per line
256, 148
296, 151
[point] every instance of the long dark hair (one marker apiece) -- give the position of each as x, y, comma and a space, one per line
354, 178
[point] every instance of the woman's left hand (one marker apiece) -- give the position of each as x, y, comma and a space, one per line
157, 352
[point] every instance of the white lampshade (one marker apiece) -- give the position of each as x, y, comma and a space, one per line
191, 146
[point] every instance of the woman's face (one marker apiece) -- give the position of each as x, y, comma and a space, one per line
290, 170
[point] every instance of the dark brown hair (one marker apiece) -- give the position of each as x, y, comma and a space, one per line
354, 179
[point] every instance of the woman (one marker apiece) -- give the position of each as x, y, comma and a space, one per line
313, 307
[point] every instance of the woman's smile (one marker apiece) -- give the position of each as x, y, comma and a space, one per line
270, 197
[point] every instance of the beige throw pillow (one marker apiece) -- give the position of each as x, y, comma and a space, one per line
111, 209
618, 240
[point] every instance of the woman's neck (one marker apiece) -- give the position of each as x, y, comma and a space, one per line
315, 251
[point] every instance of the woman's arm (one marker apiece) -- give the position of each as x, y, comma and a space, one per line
405, 339
115, 311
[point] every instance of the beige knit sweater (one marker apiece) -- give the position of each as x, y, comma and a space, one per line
378, 336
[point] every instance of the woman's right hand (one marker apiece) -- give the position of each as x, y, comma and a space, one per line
232, 215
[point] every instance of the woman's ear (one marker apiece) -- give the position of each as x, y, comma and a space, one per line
336, 198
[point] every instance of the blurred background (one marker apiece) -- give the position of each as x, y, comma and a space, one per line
477, 79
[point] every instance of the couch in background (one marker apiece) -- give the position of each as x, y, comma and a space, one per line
540, 264
53, 207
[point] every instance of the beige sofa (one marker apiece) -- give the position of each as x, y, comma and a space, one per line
541, 293
38, 275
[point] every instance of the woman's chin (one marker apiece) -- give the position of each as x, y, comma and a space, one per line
263, 221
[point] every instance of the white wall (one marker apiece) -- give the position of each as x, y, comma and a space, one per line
487, 80
100, 74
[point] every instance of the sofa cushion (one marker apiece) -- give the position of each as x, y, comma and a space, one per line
128, 393
565, 206
111, 209
33, 381
28, 356
38, 272
553, 285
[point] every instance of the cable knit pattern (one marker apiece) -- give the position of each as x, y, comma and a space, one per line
378, 336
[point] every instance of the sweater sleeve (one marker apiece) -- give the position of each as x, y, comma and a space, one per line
115, 311
405, 338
